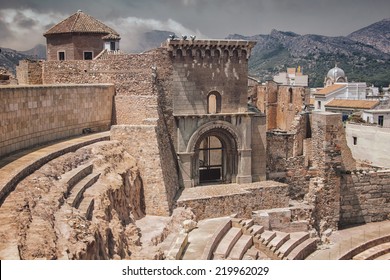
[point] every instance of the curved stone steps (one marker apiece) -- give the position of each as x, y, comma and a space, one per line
296, 238
267, 236
86, 207
203, 240
279, 239
72, 177
240, 248
385, 257
78, 190
304, 249
373, 252
227, 242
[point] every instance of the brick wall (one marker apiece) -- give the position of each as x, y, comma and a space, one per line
31, 115
73, 45
365, 197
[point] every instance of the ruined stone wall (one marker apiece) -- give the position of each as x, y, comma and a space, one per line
143, 113
136, 97
29, 72
262, 195
365, 197
324, 190
281, 104
151, 147
31, 115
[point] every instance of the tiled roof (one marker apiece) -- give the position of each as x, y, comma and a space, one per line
329, 89
80, 23
350, 103
312, 101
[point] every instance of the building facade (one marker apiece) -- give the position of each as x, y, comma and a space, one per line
80, 37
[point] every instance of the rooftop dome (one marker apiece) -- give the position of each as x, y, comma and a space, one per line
336, 73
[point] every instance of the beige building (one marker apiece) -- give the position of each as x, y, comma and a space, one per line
293, 77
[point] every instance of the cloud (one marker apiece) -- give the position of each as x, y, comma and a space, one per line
24, 21
132, 28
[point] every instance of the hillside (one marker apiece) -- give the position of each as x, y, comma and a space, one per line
357, 54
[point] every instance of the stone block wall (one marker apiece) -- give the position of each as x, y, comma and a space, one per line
252, 197
139, 88
32, 115
365, 197
29, 72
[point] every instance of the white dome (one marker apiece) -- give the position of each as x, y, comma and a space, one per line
336, 73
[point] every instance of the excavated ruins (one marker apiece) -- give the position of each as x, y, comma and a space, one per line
173, 154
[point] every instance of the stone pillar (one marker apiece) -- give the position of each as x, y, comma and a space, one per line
324, 190
259, 144
244, 175
185, 164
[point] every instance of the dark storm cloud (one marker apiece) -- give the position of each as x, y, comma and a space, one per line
218, 18
24, 22
5, 32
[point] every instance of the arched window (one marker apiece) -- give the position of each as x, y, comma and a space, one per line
214, 103
217, 54
179, 54
290, 97
189, 54
225, 55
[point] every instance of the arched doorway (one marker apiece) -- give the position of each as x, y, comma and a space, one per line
215, 158
211, 154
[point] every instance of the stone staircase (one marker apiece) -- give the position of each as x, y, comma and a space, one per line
237, 239
77, 182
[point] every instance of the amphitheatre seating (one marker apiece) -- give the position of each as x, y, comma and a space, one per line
373, 252
77, 181
15, 168
240, 239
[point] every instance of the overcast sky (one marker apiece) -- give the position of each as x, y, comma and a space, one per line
22, 22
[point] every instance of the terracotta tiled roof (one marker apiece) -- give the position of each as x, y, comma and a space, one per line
80, 23
329, 89
312, 101
356, 104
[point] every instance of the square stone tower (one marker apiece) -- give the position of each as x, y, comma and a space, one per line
218, 139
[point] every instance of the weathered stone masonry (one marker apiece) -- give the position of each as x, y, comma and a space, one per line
32, 115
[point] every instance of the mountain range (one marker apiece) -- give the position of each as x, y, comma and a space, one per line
364, 55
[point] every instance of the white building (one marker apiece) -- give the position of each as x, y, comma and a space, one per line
380, 117
293, 77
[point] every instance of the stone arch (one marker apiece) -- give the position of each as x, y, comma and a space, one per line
227, 155
215, 125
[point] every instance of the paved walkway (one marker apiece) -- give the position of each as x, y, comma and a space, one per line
344, 240
16, 167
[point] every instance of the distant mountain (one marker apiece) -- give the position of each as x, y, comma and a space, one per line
376, 35
357, 54
10, 58
153, 39
39, 52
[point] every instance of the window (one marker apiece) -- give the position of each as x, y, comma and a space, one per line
380, 120
112, 46
319, 105
354, 140
88, 55
214, 103
290, 92
61, 55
